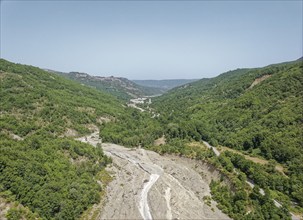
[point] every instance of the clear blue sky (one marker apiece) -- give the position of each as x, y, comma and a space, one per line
151, 39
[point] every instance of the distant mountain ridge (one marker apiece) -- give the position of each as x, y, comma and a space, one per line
165, 84
118, 86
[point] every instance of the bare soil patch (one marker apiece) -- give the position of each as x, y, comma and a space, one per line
258, 80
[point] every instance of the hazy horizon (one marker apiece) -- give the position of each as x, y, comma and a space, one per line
143, 40
159, 79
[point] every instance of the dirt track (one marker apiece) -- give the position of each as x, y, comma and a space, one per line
150, 186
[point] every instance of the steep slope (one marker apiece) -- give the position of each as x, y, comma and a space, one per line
117, 86
246, 109
54, 176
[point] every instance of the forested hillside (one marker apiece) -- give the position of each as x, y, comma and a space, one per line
257, 110
52, 175
32, 99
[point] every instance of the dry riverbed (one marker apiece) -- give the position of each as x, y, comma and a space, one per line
149, 186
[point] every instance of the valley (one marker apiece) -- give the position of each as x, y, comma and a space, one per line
151, 110
164, 153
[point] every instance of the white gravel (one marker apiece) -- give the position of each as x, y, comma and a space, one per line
149, 186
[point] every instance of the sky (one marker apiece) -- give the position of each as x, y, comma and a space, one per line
151, 39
